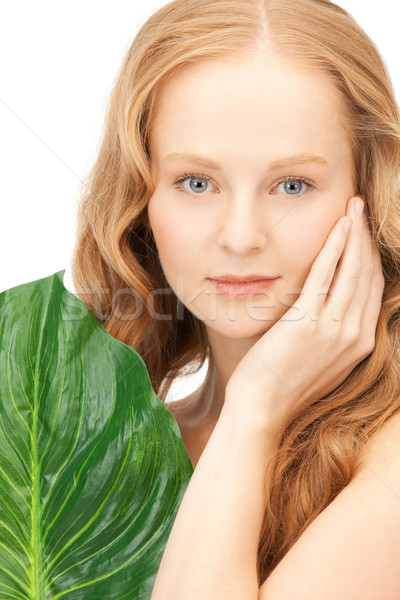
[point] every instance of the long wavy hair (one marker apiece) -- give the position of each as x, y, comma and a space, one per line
116, 270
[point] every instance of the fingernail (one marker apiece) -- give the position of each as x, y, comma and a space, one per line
360, 206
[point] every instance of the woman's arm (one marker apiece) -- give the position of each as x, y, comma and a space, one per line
212, 549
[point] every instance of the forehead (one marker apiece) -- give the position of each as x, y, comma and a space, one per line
255, 100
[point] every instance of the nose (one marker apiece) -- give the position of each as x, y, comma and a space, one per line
242, 230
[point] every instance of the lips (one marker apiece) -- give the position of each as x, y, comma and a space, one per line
243, 287
231, 278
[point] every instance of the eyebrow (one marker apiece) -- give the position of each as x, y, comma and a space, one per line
287, 161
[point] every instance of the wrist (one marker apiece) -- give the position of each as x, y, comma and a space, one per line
248, 416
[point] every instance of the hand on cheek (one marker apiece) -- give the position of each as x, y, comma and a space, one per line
311, 350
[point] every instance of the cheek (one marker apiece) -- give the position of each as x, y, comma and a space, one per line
162, 221
172, 234
307, 238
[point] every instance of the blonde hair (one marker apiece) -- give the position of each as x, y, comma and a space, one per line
116, 269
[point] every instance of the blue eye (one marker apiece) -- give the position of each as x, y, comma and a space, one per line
292, 186
197, 183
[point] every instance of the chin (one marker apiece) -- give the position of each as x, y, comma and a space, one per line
241, 329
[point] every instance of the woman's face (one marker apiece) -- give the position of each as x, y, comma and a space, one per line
268, 176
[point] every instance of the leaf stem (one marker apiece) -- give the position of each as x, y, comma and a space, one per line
38, 591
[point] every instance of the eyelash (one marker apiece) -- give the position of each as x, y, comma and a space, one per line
182, 178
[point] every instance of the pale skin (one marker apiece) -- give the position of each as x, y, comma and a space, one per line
246, 114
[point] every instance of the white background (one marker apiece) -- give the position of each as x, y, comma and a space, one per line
58, 64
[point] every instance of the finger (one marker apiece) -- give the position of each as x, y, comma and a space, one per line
323, 269
373, 306
350, 285
371, 275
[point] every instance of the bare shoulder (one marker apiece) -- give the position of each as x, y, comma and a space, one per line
351, 549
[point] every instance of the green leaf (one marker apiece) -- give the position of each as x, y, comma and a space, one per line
92, 464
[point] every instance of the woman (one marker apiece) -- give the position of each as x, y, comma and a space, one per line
289, 117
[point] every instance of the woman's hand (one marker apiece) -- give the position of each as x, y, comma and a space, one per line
322, 337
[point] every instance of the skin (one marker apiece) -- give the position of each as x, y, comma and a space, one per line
244, 113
